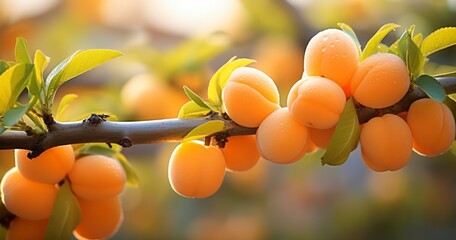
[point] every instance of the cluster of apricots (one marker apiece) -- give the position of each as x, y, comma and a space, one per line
29, 190
333, 72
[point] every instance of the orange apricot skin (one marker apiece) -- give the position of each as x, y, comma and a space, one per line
386, 143
240, 153
51, 166
249, 96
380, 81
432, 125
23, 229
316, 102
97, 177
195, 170
321, 137
99, 219
25, 198
281, 139
333, 54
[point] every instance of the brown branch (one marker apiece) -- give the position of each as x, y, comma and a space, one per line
127, 134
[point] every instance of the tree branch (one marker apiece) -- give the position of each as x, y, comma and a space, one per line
127, 134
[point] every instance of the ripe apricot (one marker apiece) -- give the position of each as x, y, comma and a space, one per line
281, 139
241, 153
316, 102
250, 96
96, 177
99, 219
321, 137
380, 81
22, 229
149, 98
432, 126
333, 54
25, 198
386, 143
275, 56
195, 170
51, 166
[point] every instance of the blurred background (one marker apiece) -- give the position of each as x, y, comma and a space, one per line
171, 43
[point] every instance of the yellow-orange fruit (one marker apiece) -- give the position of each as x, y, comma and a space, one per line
195, 170
97, 177
333, 54
241, 153
321, 137
27, 199
99, 219
432, 126
316, 102
386, 143
276, 56
149, 98
22, 229
249, 96
51, 166
380, 81
281, 139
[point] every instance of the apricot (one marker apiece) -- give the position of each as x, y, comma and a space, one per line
380, 81
432, 126
332, 54
25, 198
316, 102
195, 170
23, 229
281, 139
147, 97
275, 56
249, 96
51, 166
386, 143
99, 219
240, 153
97, 177
321, 137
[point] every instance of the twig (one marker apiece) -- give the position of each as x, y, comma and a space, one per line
131, 133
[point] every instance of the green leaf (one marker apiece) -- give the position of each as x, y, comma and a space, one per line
195, 98
345, 138
3, 66
192, 110
204, 130
372, 44
63, 105
132, 177
348, 30
65, 215
440, 39
13, 82
219, 79
13, 115
431, 87
21, 52
2, 129
415, 59
447, 74
35, 85
78, 63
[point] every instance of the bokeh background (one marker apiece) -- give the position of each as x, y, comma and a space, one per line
171, 43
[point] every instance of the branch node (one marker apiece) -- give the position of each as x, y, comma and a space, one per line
125, 142
96, 119
35, 151
48, 119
